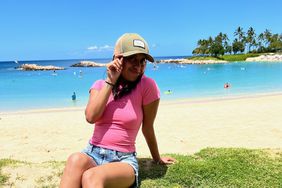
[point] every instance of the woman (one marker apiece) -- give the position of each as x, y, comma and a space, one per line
118, 106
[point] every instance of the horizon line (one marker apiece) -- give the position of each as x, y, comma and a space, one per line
84, 58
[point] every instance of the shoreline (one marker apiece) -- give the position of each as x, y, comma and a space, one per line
182, 127
162, 101
269, 58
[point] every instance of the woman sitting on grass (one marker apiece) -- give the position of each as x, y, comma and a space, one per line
118, 106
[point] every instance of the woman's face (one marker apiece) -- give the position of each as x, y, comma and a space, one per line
133, 66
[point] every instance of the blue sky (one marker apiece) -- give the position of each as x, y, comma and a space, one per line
82, 29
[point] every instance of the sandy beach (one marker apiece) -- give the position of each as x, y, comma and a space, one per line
182, 126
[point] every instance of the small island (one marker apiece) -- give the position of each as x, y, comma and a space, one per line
226, 59
190, 61
246, 46
88, 64
35, 67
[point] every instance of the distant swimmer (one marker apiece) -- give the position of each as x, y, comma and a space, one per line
168, 92
73, 97
54, 73
155, 67
227, 85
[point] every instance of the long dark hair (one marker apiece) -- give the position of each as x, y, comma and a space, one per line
124, 87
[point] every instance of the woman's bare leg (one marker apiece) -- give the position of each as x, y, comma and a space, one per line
76, 165
115, 174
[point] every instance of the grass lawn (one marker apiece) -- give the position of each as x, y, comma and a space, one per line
237, 57
211, 167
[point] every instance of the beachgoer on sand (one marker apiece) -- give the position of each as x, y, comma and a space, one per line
118, 106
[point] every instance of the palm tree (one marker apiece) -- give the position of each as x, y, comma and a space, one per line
225, 39
276, 43
239, 32
202, 47
267, 36
250, 39
209, 43
260, 43
260, 39
238, 46
240, 38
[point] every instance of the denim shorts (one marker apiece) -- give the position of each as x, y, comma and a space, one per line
102, 156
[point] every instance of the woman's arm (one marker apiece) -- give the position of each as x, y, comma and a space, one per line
96, 103
149, 114
98, 99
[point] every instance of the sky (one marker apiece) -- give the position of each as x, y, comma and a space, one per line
88, 29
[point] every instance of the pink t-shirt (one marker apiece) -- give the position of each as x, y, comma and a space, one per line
118, 127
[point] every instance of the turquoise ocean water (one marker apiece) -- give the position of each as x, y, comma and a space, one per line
21, 90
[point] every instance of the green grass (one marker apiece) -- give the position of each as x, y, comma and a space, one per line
217, 168
211, 167
3, 163
237, 57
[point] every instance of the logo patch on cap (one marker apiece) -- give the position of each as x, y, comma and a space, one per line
138, 43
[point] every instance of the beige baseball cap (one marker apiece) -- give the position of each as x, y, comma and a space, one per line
131, 43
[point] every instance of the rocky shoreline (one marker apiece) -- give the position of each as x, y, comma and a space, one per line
35, 67
261, 58
88, 64
189, 61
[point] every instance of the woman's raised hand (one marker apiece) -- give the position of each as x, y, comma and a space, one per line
114, 69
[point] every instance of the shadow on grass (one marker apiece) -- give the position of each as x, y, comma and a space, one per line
150, 170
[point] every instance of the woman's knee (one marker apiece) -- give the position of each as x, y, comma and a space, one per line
79, 161
92, 178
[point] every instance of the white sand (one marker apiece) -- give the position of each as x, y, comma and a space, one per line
182, 127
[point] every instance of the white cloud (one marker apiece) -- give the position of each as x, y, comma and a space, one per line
106, 47
100, 48
92, 48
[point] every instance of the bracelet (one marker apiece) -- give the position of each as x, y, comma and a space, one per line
109, 83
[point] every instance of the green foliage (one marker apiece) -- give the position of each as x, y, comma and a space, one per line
216, 49
219, 45
238, 46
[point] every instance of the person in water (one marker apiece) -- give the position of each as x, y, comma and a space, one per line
227, 85
73, 97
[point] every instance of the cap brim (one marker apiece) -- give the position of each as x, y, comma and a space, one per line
148, 56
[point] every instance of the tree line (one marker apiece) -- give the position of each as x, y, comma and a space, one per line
243, 42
